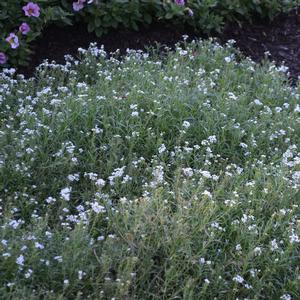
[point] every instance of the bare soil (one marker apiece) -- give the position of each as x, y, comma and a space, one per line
280, 38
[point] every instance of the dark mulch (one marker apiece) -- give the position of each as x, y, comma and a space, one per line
281, 38
58, 41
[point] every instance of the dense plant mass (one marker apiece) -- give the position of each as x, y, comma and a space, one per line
203, 16
173, 177
22, 21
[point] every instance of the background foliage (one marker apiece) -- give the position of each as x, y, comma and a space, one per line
206, 16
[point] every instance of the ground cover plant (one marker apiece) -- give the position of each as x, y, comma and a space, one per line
150, 177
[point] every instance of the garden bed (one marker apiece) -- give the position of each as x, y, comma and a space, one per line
280, 38
150, 177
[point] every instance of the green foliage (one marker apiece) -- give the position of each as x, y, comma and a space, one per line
204, 16
149, 177
103, 15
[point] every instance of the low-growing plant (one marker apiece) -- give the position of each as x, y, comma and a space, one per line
150, 177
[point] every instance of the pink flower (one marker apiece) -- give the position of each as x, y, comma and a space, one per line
3, 58
31, 10
180, 2
24, 28
78, 5
13, 40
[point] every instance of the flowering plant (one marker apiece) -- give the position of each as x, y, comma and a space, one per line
103, 15
205, 16
21, 22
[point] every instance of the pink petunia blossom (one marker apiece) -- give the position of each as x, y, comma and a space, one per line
13, 40
78, 5
24, 28
31, 10
3, 58
180, 2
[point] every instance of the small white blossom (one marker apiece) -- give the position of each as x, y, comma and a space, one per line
97, 208
186, 124
286, 297
65, 193
20, 260
238, 279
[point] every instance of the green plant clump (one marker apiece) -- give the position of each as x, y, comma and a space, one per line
205, 16
150, 177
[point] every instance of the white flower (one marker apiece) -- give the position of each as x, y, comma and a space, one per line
97, 130
212, 139
65, 193
118, 172
162, 148
92, 176
100, 182
238, 247
20, 260
28, 273
186, 124
206, 174
188, 172
97, 208
274, 245
133, 106
73, 177
294, 238
296, 177
158, 174
24, 248
257, 102
207, 193
238, 279
38, 245
123, 200
283, 69
50, 200
227, 59
297, 108
257, 251
202, 260
183, 52
10, 284
58, 258
81, 274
